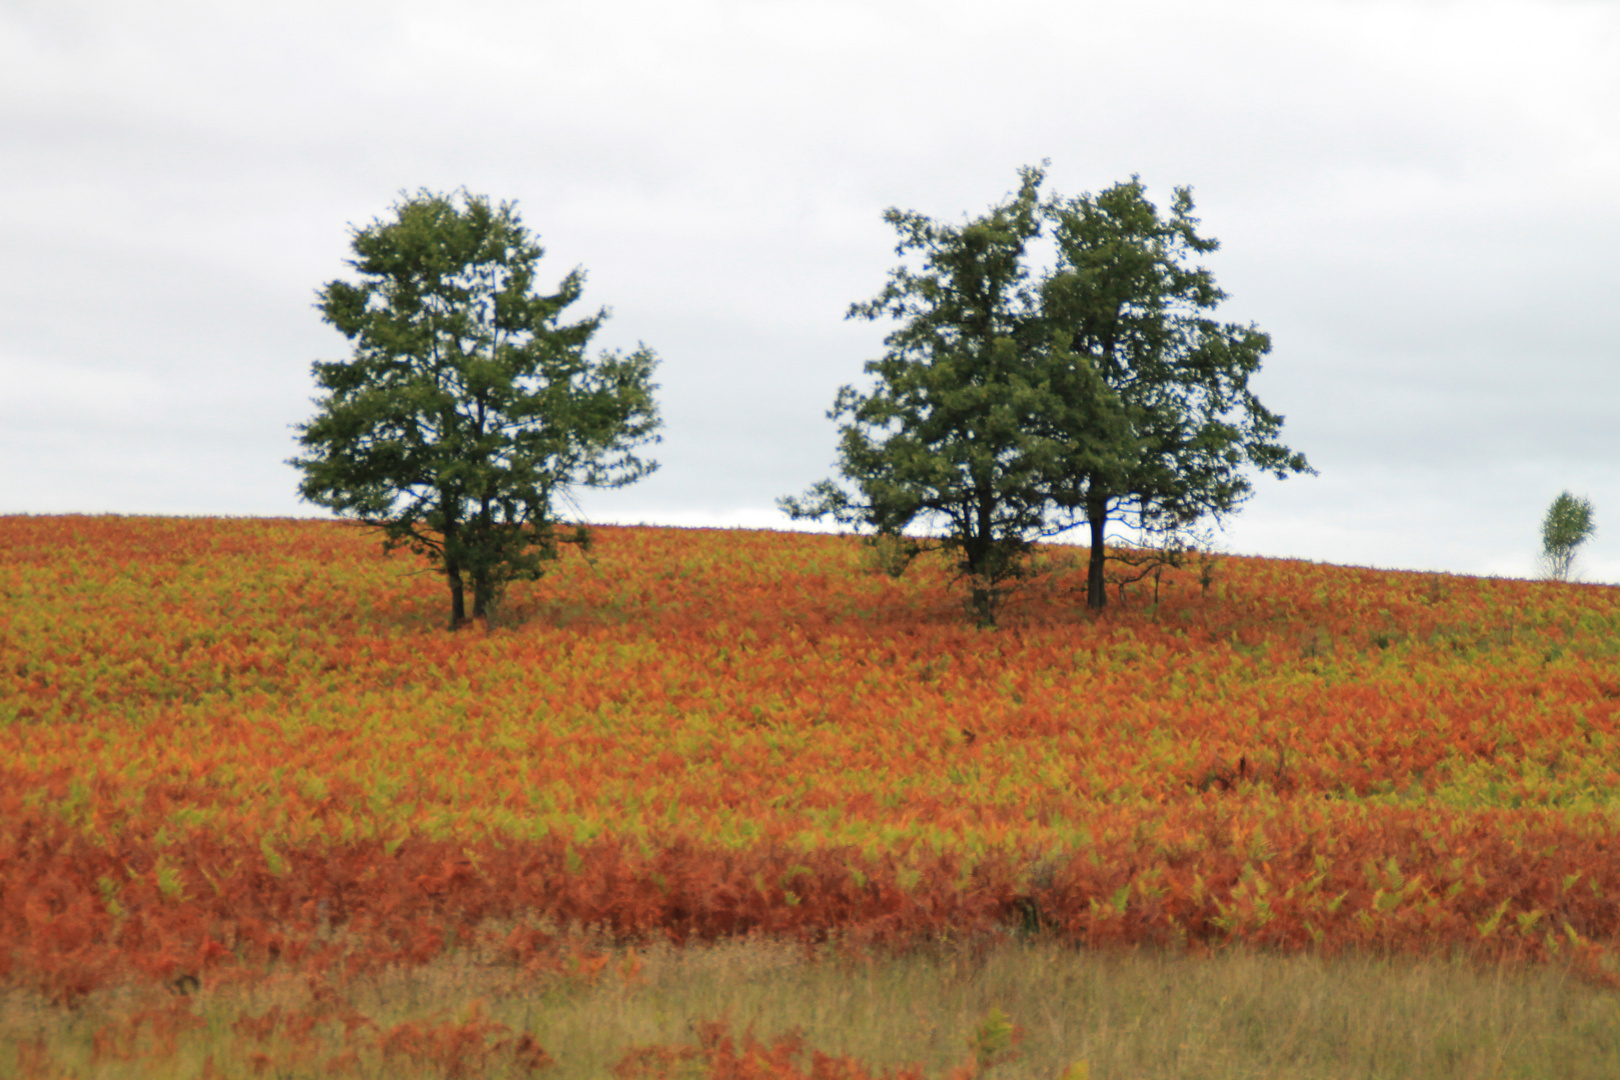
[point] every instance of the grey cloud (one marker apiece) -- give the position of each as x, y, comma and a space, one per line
1413, 198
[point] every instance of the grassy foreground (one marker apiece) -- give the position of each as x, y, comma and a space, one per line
1140, 1013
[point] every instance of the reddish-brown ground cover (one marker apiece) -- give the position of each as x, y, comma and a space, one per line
230, 742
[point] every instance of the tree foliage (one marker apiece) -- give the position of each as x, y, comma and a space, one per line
1567, 526
1008, 408
1126, 296
468, 408
977, 413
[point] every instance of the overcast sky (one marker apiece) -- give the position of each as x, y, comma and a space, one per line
1419, 201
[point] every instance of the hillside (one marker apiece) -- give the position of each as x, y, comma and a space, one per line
226, 743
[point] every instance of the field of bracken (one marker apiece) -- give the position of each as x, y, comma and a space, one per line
232, 749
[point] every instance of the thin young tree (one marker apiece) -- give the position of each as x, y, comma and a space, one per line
1567, 526
468, 408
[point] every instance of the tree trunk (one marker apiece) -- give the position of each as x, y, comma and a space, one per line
458, 593
451, 531
483, 603
982, 602
985, 565
1096, 588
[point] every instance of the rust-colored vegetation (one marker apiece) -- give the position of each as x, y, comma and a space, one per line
235, 746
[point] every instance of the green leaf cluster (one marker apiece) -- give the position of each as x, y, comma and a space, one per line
1011, 406
468, 408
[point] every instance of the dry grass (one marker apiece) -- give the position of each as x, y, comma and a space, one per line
1138, 1014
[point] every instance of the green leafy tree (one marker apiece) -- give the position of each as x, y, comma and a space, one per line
976, 413
1126, 297
1567, 526
468, 409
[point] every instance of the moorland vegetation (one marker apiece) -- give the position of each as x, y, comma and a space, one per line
249, 783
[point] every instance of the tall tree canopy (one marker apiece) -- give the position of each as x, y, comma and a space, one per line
978, 413
468, 408
1125, 296
1006, 409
